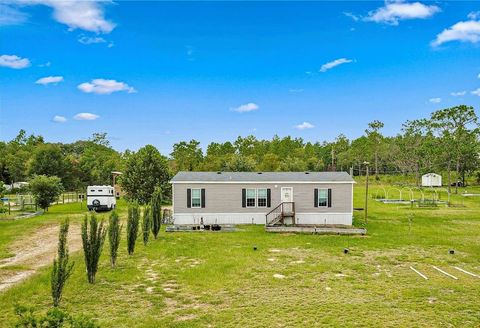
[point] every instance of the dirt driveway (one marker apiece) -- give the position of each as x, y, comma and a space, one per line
34, 251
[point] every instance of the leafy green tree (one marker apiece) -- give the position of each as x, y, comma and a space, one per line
133, 222
16, 165
270, 163
145, 170
156, 205
45, 190
375, 138
48, 160
187, 155
93, 237
114, 234
62, 268
456, 127
240, 163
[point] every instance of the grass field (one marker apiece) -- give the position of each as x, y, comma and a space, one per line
218, 280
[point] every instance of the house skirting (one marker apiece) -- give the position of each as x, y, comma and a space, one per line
259, 218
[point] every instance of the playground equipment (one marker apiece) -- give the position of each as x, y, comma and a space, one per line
406, 195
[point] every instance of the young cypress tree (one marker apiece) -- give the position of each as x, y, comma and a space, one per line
62, 269
92, 240
156, 203
114, 233
132, 226
146, 224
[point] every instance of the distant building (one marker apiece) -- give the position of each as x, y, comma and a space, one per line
431, 180
16, 185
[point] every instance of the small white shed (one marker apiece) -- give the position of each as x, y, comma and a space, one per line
431, 180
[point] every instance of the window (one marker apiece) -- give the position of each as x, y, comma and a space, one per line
322, 197
262, 197
251, 196
196, 198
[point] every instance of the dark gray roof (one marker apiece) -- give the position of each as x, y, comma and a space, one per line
262, 177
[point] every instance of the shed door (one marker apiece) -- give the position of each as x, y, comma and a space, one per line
287, 194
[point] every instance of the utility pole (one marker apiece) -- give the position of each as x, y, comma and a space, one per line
366, 191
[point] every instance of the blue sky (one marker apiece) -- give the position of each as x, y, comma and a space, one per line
160, 72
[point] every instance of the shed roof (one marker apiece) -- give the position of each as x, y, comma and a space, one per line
225, 177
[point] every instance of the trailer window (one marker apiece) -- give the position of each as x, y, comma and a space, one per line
262, 197
322, 197
196, 198
251, 197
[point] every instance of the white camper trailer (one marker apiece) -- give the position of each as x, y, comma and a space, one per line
431, 180
101, 198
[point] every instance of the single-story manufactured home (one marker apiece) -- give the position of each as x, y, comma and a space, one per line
271, 198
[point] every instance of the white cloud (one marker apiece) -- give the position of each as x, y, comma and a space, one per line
105, 87
11, 16
47, 64
435, 100
246, 108
476, 92
304, 126
478, 76
352, 16
395, 11
91, 40
13, 61
85, 117
459, 93
474, 15
468, 31
59, 119
49, 79
325, 67
77, 14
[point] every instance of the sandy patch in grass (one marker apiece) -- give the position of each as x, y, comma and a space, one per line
34, 251
274, 250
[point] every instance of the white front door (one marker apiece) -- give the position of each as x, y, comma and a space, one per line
286, 194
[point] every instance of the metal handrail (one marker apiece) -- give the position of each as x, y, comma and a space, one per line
280, 213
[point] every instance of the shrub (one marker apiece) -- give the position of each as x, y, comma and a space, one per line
156, 204
45, 190
92, 240
62, 269
54, 318
114, 230
132, 226
146, 224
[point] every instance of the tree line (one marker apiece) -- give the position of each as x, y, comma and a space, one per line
446, 142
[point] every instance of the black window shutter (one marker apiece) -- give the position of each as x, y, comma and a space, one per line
329, 197
315, 197
269, 197
244, 197
189, 198
203, 198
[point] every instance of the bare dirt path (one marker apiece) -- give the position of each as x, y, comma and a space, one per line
34, 251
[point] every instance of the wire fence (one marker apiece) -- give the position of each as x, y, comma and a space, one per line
26, 202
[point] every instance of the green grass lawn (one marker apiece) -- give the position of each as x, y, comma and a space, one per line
217, 279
